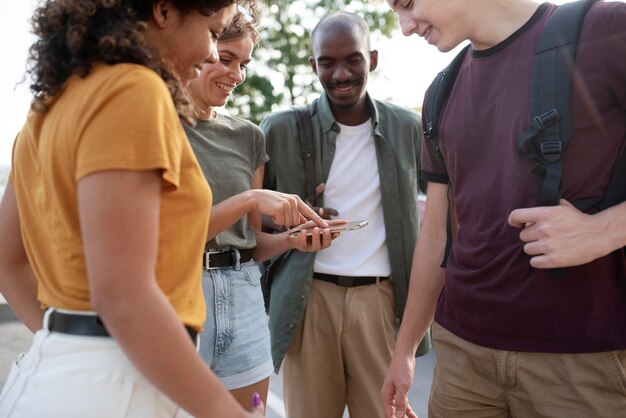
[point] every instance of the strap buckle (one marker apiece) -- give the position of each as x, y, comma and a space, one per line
431, 131
547, 118
551, 151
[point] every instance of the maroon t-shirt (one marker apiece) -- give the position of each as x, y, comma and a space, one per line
492, 296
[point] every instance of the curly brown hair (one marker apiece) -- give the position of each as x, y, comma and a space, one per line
73, 35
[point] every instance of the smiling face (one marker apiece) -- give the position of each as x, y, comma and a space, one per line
188, 40
439, 22
218, 80
342, 61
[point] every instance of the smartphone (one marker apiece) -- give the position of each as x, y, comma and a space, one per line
349, 226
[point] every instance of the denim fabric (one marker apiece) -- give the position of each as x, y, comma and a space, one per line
236, 340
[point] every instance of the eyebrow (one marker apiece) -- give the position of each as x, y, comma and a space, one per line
353, 55
244, 60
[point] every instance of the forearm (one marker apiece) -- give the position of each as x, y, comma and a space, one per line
611, 230
17, 280
226, 213
269, 245
427, 277
427, 280
148, 330
19, 287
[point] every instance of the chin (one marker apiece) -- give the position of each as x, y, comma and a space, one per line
348, 102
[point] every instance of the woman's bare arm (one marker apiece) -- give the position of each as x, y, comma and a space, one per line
17, 280
119, 218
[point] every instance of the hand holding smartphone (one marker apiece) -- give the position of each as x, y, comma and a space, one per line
339, 227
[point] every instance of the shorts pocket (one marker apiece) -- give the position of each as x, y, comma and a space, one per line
14, 374
619, 361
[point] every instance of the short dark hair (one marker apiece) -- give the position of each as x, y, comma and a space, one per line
342, 19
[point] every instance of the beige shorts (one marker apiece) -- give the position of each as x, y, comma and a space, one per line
474, 381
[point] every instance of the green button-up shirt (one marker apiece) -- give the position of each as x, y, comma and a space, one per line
397, 136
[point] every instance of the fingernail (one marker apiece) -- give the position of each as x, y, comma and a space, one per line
399, 414
256, 400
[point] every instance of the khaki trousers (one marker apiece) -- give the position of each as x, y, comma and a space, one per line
475, 381
340, 353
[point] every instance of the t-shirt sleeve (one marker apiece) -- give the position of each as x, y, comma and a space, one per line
134, 127
259, 145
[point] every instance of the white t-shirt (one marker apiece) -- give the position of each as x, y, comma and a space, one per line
353, 188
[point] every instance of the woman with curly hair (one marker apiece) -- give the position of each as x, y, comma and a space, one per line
105, 206
231, 153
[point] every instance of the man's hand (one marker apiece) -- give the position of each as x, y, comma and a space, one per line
324, 213
312, 238
396, 388
560, 236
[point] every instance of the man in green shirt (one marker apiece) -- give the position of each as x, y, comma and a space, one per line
334, 313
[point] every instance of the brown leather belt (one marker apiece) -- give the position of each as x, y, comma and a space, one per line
225, 257
88, 325
347, 281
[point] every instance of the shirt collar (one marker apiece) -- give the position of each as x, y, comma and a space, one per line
328, 120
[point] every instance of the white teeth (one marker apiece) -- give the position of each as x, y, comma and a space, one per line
225, 88
428, 32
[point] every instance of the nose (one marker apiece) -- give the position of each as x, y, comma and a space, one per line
408, 25
238, 75
342, 72
213, 55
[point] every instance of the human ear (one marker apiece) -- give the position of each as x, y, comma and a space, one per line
373, 60
313, 64
160, 13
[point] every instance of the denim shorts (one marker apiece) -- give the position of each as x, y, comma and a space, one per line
236, 339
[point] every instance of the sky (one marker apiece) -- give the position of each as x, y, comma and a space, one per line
406, 65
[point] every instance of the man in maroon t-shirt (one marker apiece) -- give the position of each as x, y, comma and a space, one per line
514, 338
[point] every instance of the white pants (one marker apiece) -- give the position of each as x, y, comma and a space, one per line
69, 376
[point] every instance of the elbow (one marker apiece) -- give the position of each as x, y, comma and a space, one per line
102, 300
111, 298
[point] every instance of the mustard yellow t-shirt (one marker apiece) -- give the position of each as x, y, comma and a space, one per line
118, 117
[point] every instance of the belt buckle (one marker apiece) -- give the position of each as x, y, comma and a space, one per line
207, 255
207, 258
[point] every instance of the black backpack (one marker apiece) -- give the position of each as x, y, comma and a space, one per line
550, 130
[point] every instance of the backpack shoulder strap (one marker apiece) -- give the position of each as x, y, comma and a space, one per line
305, 133
550, 130
437, 95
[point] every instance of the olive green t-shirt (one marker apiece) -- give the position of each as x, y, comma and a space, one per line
229, 150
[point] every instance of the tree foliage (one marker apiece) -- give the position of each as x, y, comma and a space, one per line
280, 74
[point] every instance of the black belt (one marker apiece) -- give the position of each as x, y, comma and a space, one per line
88, 325
224, 257
347, 281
